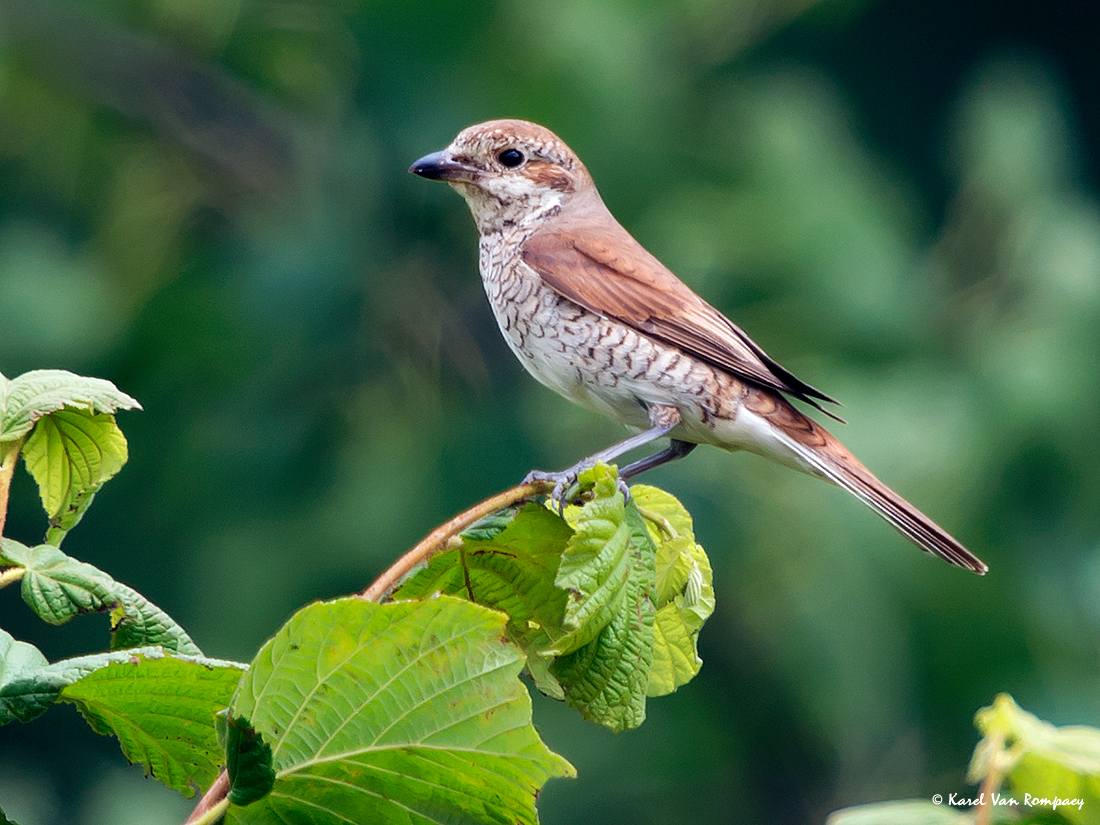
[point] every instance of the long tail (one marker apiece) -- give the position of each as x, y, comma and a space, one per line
821, 453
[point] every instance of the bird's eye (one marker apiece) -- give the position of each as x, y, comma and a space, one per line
510, 158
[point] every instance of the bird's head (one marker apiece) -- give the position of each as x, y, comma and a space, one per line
511, 172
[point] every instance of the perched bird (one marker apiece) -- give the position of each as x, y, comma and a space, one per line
595, 317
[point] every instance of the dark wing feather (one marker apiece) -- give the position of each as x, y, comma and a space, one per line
606, 271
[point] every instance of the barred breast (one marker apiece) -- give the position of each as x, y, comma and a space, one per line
602, 364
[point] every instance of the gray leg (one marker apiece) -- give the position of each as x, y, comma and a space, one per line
665, 419
564, 479
676, 449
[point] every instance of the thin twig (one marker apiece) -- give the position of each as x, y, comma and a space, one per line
11, 576
436, 541
213, 814
9, 457
212, 799
983, 814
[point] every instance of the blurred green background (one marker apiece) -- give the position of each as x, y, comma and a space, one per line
205, 201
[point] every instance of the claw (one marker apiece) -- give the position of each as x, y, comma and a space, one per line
565, 490
624, 490
537, 475
559, 495
564, 482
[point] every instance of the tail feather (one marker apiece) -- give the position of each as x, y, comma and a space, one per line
824, 455
903, 516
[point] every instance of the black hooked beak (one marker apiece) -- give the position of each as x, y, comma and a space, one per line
440, 166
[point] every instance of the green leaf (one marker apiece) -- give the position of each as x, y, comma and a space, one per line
57, 587
248, 760
607, 679
1048, 767
675, 659
162, 709
13, 552
606, 615
19, 665
5, 821
512, 571
901, 812
406, 712
490, 526
596, 566
71, 454
28, 397
685, 590
137, 622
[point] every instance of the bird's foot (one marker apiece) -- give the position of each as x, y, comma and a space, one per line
567, 487
564, 481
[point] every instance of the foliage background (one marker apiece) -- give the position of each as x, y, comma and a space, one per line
205, 201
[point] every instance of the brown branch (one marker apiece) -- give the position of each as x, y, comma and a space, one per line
983, 813
211, 799
433, 543
9, 457
436, 541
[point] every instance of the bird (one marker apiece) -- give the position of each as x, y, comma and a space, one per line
592, 315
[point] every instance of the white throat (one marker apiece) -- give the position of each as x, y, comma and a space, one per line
514, 203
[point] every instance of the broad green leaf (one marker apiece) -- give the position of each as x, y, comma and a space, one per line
162, 710
1047, 767
407, 712
665, 516
491, 525
596, 566
13, 552
513, 571
685, 591
607, 679
582, 606
38, 684
71, 454
57, 587
137, 622
675, 659
248, 760
28, 397
901, 812
29, 684
20, 663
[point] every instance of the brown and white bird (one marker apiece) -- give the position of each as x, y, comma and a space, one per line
595, 317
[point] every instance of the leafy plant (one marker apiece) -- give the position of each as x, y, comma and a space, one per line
403, 703
1052, 776
357, 710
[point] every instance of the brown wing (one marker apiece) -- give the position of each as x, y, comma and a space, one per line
609, 273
